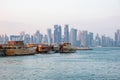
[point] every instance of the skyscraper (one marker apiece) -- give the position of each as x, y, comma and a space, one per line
57, 34
49, 35
73, 37
90, 39
97, 40
107, 41
38, 37
79, 37
84, 38
117, 38
45, 39
66, 33
32, 39
27, 39
4, 39
22, 35
15, 37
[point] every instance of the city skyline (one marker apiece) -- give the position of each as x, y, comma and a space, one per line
63, 28
98, 16
74, 36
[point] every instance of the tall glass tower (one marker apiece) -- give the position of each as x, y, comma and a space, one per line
57, 34
49, 35
66, 33
73, 36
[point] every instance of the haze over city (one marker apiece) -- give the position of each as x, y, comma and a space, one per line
98, 16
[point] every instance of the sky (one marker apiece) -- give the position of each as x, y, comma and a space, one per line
98, 16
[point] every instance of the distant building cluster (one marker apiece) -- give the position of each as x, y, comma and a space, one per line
75, 37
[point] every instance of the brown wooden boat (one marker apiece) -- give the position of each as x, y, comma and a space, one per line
45, 48
17, 51
17, 48
67, 48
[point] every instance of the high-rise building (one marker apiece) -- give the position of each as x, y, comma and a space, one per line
107, 41
66, 33
84, 38
4, 39
97, 40
117, 38
110, 42
45, 39
73, 37
22, 35
49, 35
103, 39
15, 37
57, 34
90, 39
1, 39
32, 39
79, 37
27, 39
38, 37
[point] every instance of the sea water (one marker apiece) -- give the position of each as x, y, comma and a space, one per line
96, 64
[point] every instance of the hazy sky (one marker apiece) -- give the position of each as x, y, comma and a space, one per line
102, 16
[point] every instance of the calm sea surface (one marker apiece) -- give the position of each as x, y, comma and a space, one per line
97, 64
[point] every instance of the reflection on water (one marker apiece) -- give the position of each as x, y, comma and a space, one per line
98, 64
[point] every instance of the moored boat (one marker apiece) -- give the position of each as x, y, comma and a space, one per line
45, 48
17, 48
17, 51
2, 52
67, 48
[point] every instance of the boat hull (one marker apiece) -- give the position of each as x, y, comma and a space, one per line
68, 51
18, 52
2, 52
